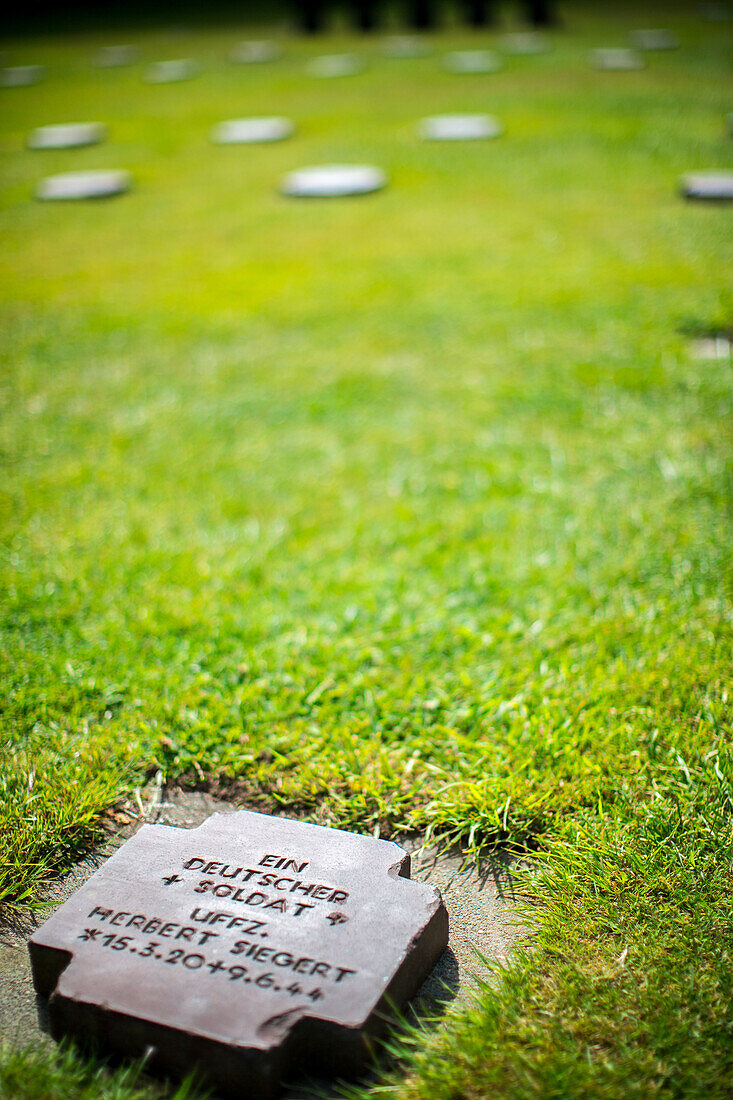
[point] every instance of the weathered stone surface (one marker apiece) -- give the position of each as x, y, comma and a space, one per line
478, 897
479, 900
116, 57
335, 64
96, 184
256, 52
712, 186
472, 61
655, 38
68, 135
250, 131
460, 128
525, 42
171, 72
248, 947
616, 58
20, 76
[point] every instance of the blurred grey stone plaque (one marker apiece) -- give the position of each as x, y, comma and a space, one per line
616, 59
255, 52
335, 64
249, 948
472, 61
20, 76
329, 181
404, 47
252, 131
460, 128
655, 38
713, 186
525, 42
116, 57
715, 13
67, 135
95, 184
171, 72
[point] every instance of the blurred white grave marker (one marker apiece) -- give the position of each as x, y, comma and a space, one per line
333, 181
67, 135
171, 72
99, 184
460, 128
251, 131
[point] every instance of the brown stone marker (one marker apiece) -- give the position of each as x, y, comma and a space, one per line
251, 948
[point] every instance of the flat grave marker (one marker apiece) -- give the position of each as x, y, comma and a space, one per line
67, 135
252, 131
468, 62
715, 13
116, 57
329, 181
249, 948
400, 47
335, 64
21, 76
525, 43
655, 38
715, 346
171, 72
616, 59
94, 184
460, 128
255, 52
708, 186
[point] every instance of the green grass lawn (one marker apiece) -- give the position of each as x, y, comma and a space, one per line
403, 513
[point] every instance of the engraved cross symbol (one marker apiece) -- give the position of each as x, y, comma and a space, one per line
89, 934
337, 918
170, 879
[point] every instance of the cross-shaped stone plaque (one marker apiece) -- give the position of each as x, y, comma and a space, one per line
251, 948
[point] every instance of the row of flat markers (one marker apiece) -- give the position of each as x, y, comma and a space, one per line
332, 180
347, 64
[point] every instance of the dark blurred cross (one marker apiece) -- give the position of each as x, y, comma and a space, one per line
479, 12
539, 13
421, 14
365, 14
309, 15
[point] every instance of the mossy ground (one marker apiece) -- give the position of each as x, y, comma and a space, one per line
409, 512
